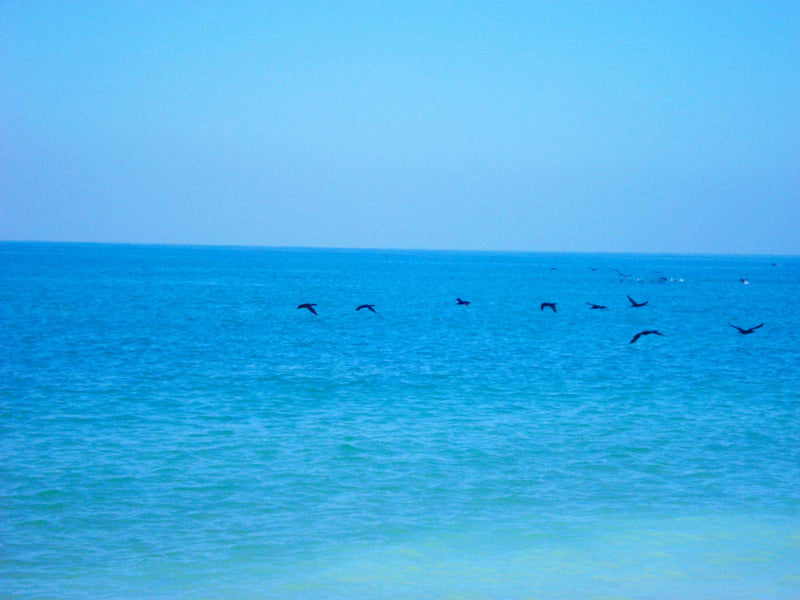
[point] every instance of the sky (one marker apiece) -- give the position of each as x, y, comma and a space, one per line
578, 126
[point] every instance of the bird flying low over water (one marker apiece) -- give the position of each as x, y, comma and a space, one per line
624, 276
551, 305
593, 306
367, 306
745, 331
646, 332
636, 304
309, 306
462, 302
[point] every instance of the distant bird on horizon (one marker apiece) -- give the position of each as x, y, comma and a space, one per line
593, 306
746, 331
636, 304
646, 332
309, 306
367, 306
462, 302
623, 276
551, 305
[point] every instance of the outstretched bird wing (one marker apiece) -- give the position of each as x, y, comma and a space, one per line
636, 337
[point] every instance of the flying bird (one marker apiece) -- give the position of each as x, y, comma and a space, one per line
309, 306
462, 302
636, 304
548, 305
593, 306
367, 306
646, 332
746, 331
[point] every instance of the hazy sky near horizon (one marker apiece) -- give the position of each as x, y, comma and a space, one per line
555, 126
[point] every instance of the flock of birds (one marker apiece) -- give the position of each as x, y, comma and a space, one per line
552, 306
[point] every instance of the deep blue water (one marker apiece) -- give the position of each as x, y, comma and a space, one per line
171, 425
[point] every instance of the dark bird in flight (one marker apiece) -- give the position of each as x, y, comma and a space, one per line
548, 305
593, 306
646, 332
367, 306
309, 307
636, 304
745, 331
462, 302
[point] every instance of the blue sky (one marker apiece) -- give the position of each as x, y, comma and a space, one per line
554, 126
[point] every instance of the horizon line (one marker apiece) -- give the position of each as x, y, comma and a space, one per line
395, 249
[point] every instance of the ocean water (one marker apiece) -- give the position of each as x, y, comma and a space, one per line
172, 426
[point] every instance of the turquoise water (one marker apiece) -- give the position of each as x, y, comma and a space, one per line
172, 426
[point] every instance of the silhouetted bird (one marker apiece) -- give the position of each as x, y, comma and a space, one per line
621, 274
462, 302
636, 304
746, 331
548, 305
367, 306
647, 332
309, 307
596, 306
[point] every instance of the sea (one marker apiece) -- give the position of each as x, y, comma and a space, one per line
173, 426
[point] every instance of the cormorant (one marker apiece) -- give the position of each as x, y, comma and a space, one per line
646, 332
746, 331
636, 304
309, 306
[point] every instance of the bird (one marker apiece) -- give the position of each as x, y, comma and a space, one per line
636, 304
462, 302
367, 306
746, 331
744, 281
593, 306
646, 332
548, 305
309, 306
